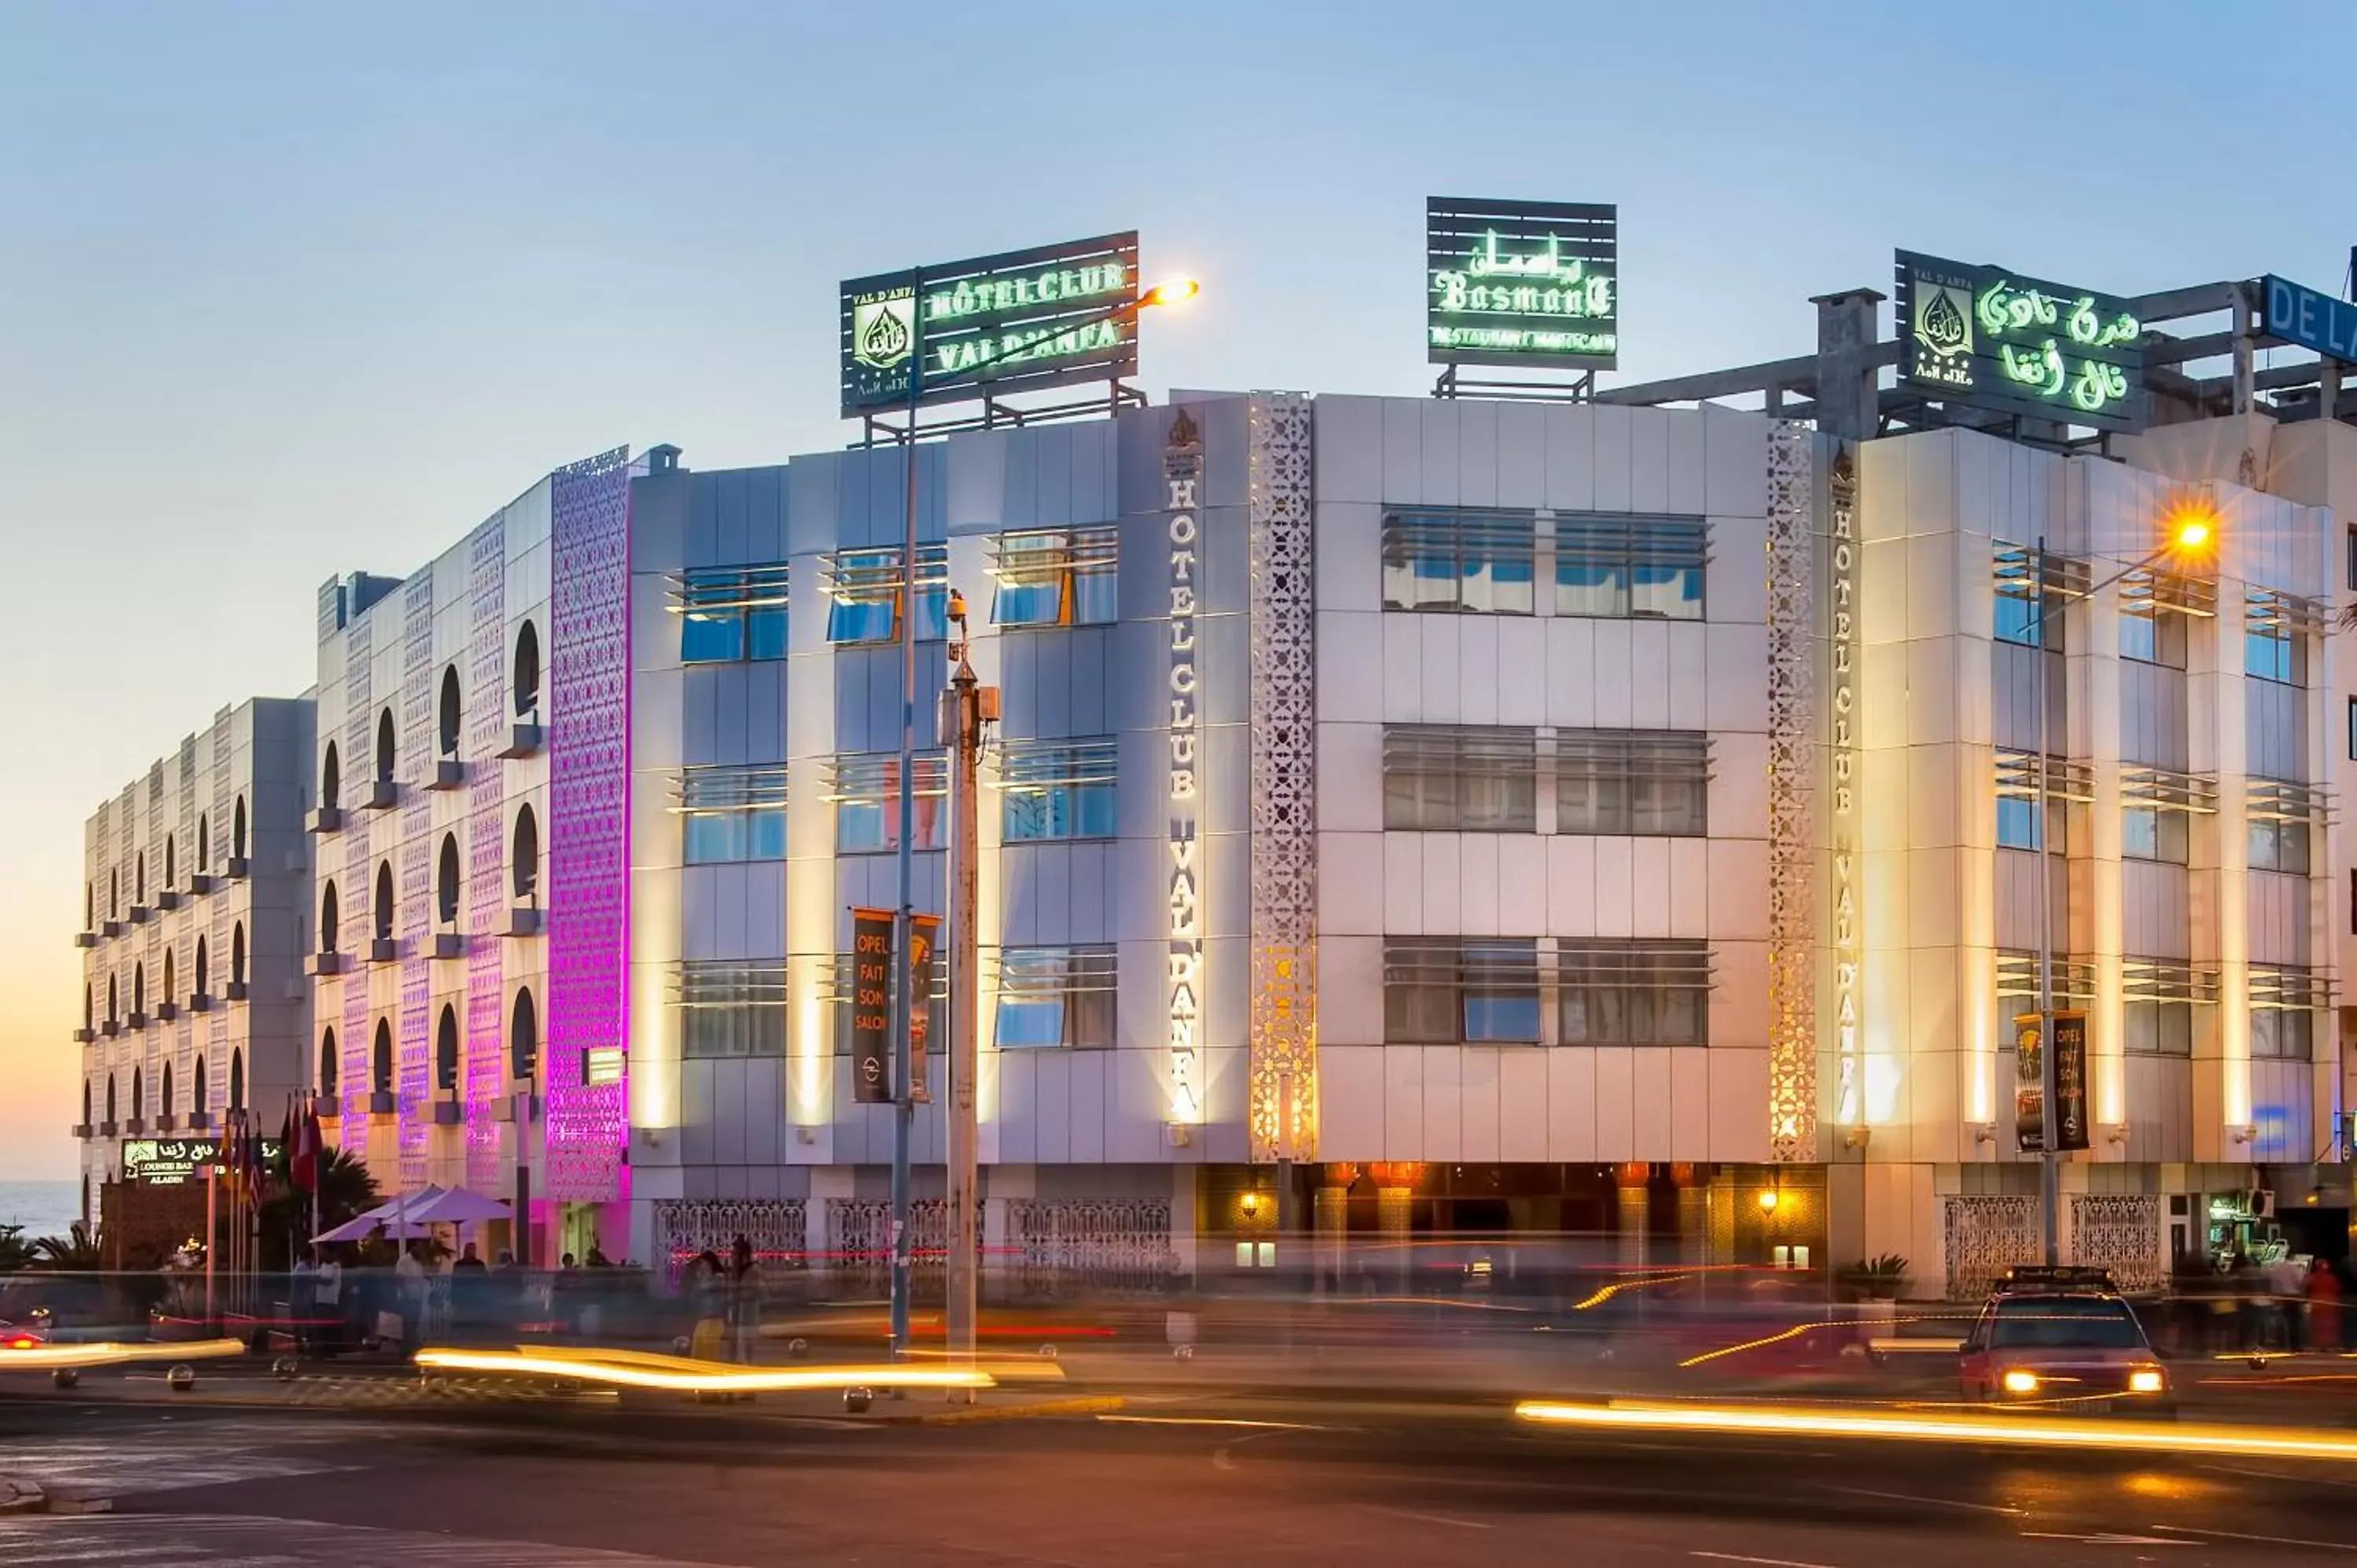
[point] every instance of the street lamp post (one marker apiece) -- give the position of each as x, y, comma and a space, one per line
964, 1175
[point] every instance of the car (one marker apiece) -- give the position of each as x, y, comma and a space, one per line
2064, 1342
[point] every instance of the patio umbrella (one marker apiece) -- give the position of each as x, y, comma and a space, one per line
456, 1205
401, 1218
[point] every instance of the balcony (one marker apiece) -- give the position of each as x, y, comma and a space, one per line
83, 1130
527, 737
167, 1010
448, 774
449, 944
523, 1105
168, 899
135, 1019
200, 1120
110, 929
199, 884
109, 1028
327, 819
234, 990
84, 1037
164, 1124
385, 949
380, 1103
85, 939
319, 963
383, 795
235, 868
525, 920
106, 1129
135, 1126
201, 1001
448, 1113
140, 914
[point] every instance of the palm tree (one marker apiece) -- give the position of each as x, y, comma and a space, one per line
347, 1190
15, 1252
76, 1252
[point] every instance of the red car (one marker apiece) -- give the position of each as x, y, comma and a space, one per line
2065, 1346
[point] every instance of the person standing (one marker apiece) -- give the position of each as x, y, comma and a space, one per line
328, 1298
744, 1301
2323, 1306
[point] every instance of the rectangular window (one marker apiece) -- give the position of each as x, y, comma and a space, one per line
1446, 558
731, 1007
2283, 1034
2280, 845
2272, 654
731, 813
1617, 566
1447, 778
1060, 997
836, 987
1051, 790
864, 590
865, 791
1649, 782
729, 615
1645, 993
2021, 615
1476, 990
2017, 822
2158, 1029
1056, 577
2148, 833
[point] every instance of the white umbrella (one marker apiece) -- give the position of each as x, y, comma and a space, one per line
402, 1219
456, 1205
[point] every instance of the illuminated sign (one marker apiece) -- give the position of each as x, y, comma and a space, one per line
1842, 638
1018, 321
1522, 282
2307, 319
2070, 1082
871, 1007
176, 1162
1182, 469
924, 931
1994, 339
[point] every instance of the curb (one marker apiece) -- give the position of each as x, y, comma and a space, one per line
1099, 1404
19, 1496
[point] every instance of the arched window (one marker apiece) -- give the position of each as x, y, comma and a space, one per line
204, 846
85, 1102
237, 953
385, 747
138, 1093
381, 1061
328, 912
109, 1097
138, 988
526, 678
384, 900
171, 863
448, 710
164, 1106
88, 1021
139, 878
115, 894
113, 1012
237, 1080
523, 1038
236, 831
523, 856
445, 1051
331, 779
171, 990
90, 906
201, 1088
203, 972
445, 882
328, 1063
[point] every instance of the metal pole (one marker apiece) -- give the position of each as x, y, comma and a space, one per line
212, 1240
964, 712
2050, 1182
904, 1105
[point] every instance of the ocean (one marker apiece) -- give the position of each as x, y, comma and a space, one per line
42, 1208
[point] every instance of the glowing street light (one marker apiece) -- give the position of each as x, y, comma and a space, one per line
1170, 291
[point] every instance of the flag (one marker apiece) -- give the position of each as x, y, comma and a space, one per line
282, 1168
303, 1156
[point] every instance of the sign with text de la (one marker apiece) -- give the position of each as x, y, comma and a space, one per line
1522, 282
871, 1007
1996, 339
2309, 319
1018, 321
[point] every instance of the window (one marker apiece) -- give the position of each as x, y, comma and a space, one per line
171, 991
201, 1088
328, 917
326, 1082
171, 863
524, 680
1648, 782
164, 1101
731, 1007
866, 795
1447, 779
237, 829
445, 882
384, 900
446, 722
90, 889
138, 1093
2017, 822
730, 614
139, 878
2283, 1018
2158, 1029
1056, 577
1441, 990
2148, 833
2272, 653
90, 1016
110, 1100
115, 894
523, 1037
445, 1051
1441, 558
204, 843
1649, 567
237, 1080
380, 1059
862, 587
2023, 616
2280, 845
524, 856
732, 815
331, 779
237, 950
138, 990
385, 756
1056, 789
113, 1012
1056, 996
2152, 637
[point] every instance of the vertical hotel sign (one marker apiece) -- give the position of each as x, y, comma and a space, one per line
1842, 838
1182, 470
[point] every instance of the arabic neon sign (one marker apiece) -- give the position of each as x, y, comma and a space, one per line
1986, 336
1522, 282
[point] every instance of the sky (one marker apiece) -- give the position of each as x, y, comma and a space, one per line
290, 290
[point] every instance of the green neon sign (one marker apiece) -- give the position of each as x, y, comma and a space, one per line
1522, 282
1981, 335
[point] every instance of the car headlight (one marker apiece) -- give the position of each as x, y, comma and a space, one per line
2147, 1380
2021, 1383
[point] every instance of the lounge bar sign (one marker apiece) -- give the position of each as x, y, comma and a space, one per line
1522, 282
1996, 339
176, 1162
2070, 1037
1182, 472
1018, 321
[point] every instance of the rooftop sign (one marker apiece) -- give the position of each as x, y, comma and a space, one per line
1522, 282
1996, 339
2308, 319
1018, 321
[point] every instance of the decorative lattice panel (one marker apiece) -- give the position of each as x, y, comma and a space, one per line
2121, 1232
357, 762
1793, 742
860, 1244
1091, 1244
776, 1226
1985, 1234
1284, 1044
487, 710
413, 875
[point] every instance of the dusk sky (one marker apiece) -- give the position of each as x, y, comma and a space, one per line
287, 291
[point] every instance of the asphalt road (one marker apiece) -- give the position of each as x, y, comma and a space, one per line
1215, 1478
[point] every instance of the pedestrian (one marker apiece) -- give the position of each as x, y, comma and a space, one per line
744, 1300
2288, 1291
409, 1296
2323, 1306
328, 1299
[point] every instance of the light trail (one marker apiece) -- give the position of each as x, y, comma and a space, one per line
639, 1370
110, 1353
2015, 1432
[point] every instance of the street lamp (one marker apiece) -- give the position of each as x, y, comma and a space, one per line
961, 1123
2190, 529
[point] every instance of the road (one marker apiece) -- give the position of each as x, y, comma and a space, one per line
1222, 1478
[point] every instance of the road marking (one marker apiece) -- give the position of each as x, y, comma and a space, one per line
1211, 1421
1771, 1561
1935, 1502
2269, 1539
200, 1540
1427, 1517
2276, 1476
2106, 1539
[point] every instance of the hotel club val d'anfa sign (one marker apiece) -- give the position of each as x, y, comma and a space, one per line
1996, 339
1018, 321
1522, 282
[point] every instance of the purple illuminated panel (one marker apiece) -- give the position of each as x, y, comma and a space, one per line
359, 1036
587, 1126
413, 895
487, 710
